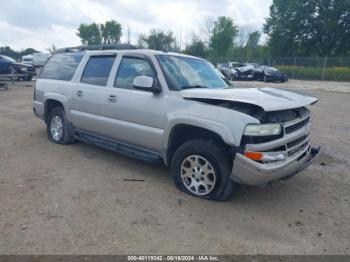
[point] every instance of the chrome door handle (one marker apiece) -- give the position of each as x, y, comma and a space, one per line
79, 93
112, 99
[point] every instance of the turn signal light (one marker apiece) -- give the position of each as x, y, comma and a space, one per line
254, 155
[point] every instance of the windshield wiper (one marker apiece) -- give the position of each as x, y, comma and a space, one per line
193, 86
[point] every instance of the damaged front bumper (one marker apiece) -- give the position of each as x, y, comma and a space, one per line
249, 172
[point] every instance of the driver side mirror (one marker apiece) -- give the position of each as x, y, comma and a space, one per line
146, 83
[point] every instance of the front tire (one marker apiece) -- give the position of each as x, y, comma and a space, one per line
202, 168
57, 127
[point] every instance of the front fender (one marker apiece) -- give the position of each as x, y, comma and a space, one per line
227, 123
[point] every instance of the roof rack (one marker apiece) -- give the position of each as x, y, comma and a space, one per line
96, 47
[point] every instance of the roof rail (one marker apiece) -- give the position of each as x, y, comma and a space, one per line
96, 47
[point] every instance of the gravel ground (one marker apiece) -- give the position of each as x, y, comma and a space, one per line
74, 200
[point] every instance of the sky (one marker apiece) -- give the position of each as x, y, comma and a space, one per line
41, 23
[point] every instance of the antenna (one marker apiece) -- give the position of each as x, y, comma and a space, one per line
178, 51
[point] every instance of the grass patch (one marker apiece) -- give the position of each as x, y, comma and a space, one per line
315, 73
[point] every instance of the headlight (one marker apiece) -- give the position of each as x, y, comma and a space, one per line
268, 73
24, 69
262, 130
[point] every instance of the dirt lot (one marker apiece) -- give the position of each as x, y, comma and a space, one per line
74, 200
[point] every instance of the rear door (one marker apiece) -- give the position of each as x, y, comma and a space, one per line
88, 98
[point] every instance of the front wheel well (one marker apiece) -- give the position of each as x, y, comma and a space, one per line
49, 105
182, 133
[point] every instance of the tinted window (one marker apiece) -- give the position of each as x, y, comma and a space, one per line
97, 70
61, 66
131, 68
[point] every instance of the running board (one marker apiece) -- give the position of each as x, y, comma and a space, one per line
119, 147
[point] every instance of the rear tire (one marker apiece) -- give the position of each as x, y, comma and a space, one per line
202, 169
57, 127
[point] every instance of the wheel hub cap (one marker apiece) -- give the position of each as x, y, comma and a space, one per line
56, 128
198, 175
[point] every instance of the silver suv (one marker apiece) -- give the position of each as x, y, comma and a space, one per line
177, 110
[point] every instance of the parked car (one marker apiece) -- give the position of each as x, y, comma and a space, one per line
269, 74
27, 59
246, 71
221, 67
231, 71
9, 65
177, 110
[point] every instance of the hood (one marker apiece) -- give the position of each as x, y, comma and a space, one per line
269, 99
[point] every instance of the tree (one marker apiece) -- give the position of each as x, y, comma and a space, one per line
158, 40
243, 35
253, 39
224, 33
52, 49
207, 28
141, 44
95, 34
89, 34
111, 32
308, 28
196, 47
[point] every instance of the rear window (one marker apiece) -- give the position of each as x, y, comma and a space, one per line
97, 70
61, 66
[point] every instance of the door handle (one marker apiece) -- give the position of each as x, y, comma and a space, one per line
112, 99
79, 93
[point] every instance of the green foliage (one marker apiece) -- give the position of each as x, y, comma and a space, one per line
8, 51
315, 73
89, 34
96, 34
309, 28
224, 33
196, 48
159, 40
111, 32
253, 39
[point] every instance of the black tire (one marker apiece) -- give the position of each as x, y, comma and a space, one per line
67, 137
217, 156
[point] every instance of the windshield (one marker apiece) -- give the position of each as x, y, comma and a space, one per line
186, 72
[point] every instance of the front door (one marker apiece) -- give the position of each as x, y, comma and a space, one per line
138, 116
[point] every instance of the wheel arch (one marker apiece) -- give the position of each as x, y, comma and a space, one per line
52, 102
183, 132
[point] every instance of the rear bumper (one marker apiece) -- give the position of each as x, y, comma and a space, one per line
249, 172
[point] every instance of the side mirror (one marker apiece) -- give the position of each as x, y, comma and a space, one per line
146, 83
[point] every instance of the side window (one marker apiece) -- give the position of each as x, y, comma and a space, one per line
61, 66
130, 68
97, 70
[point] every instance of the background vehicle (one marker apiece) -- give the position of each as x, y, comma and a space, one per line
231, 71
268, 73
221, 67
9, 66
176, 109
27, 59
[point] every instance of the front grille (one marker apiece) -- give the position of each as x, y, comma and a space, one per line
294, 127
298, 148
296, 142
